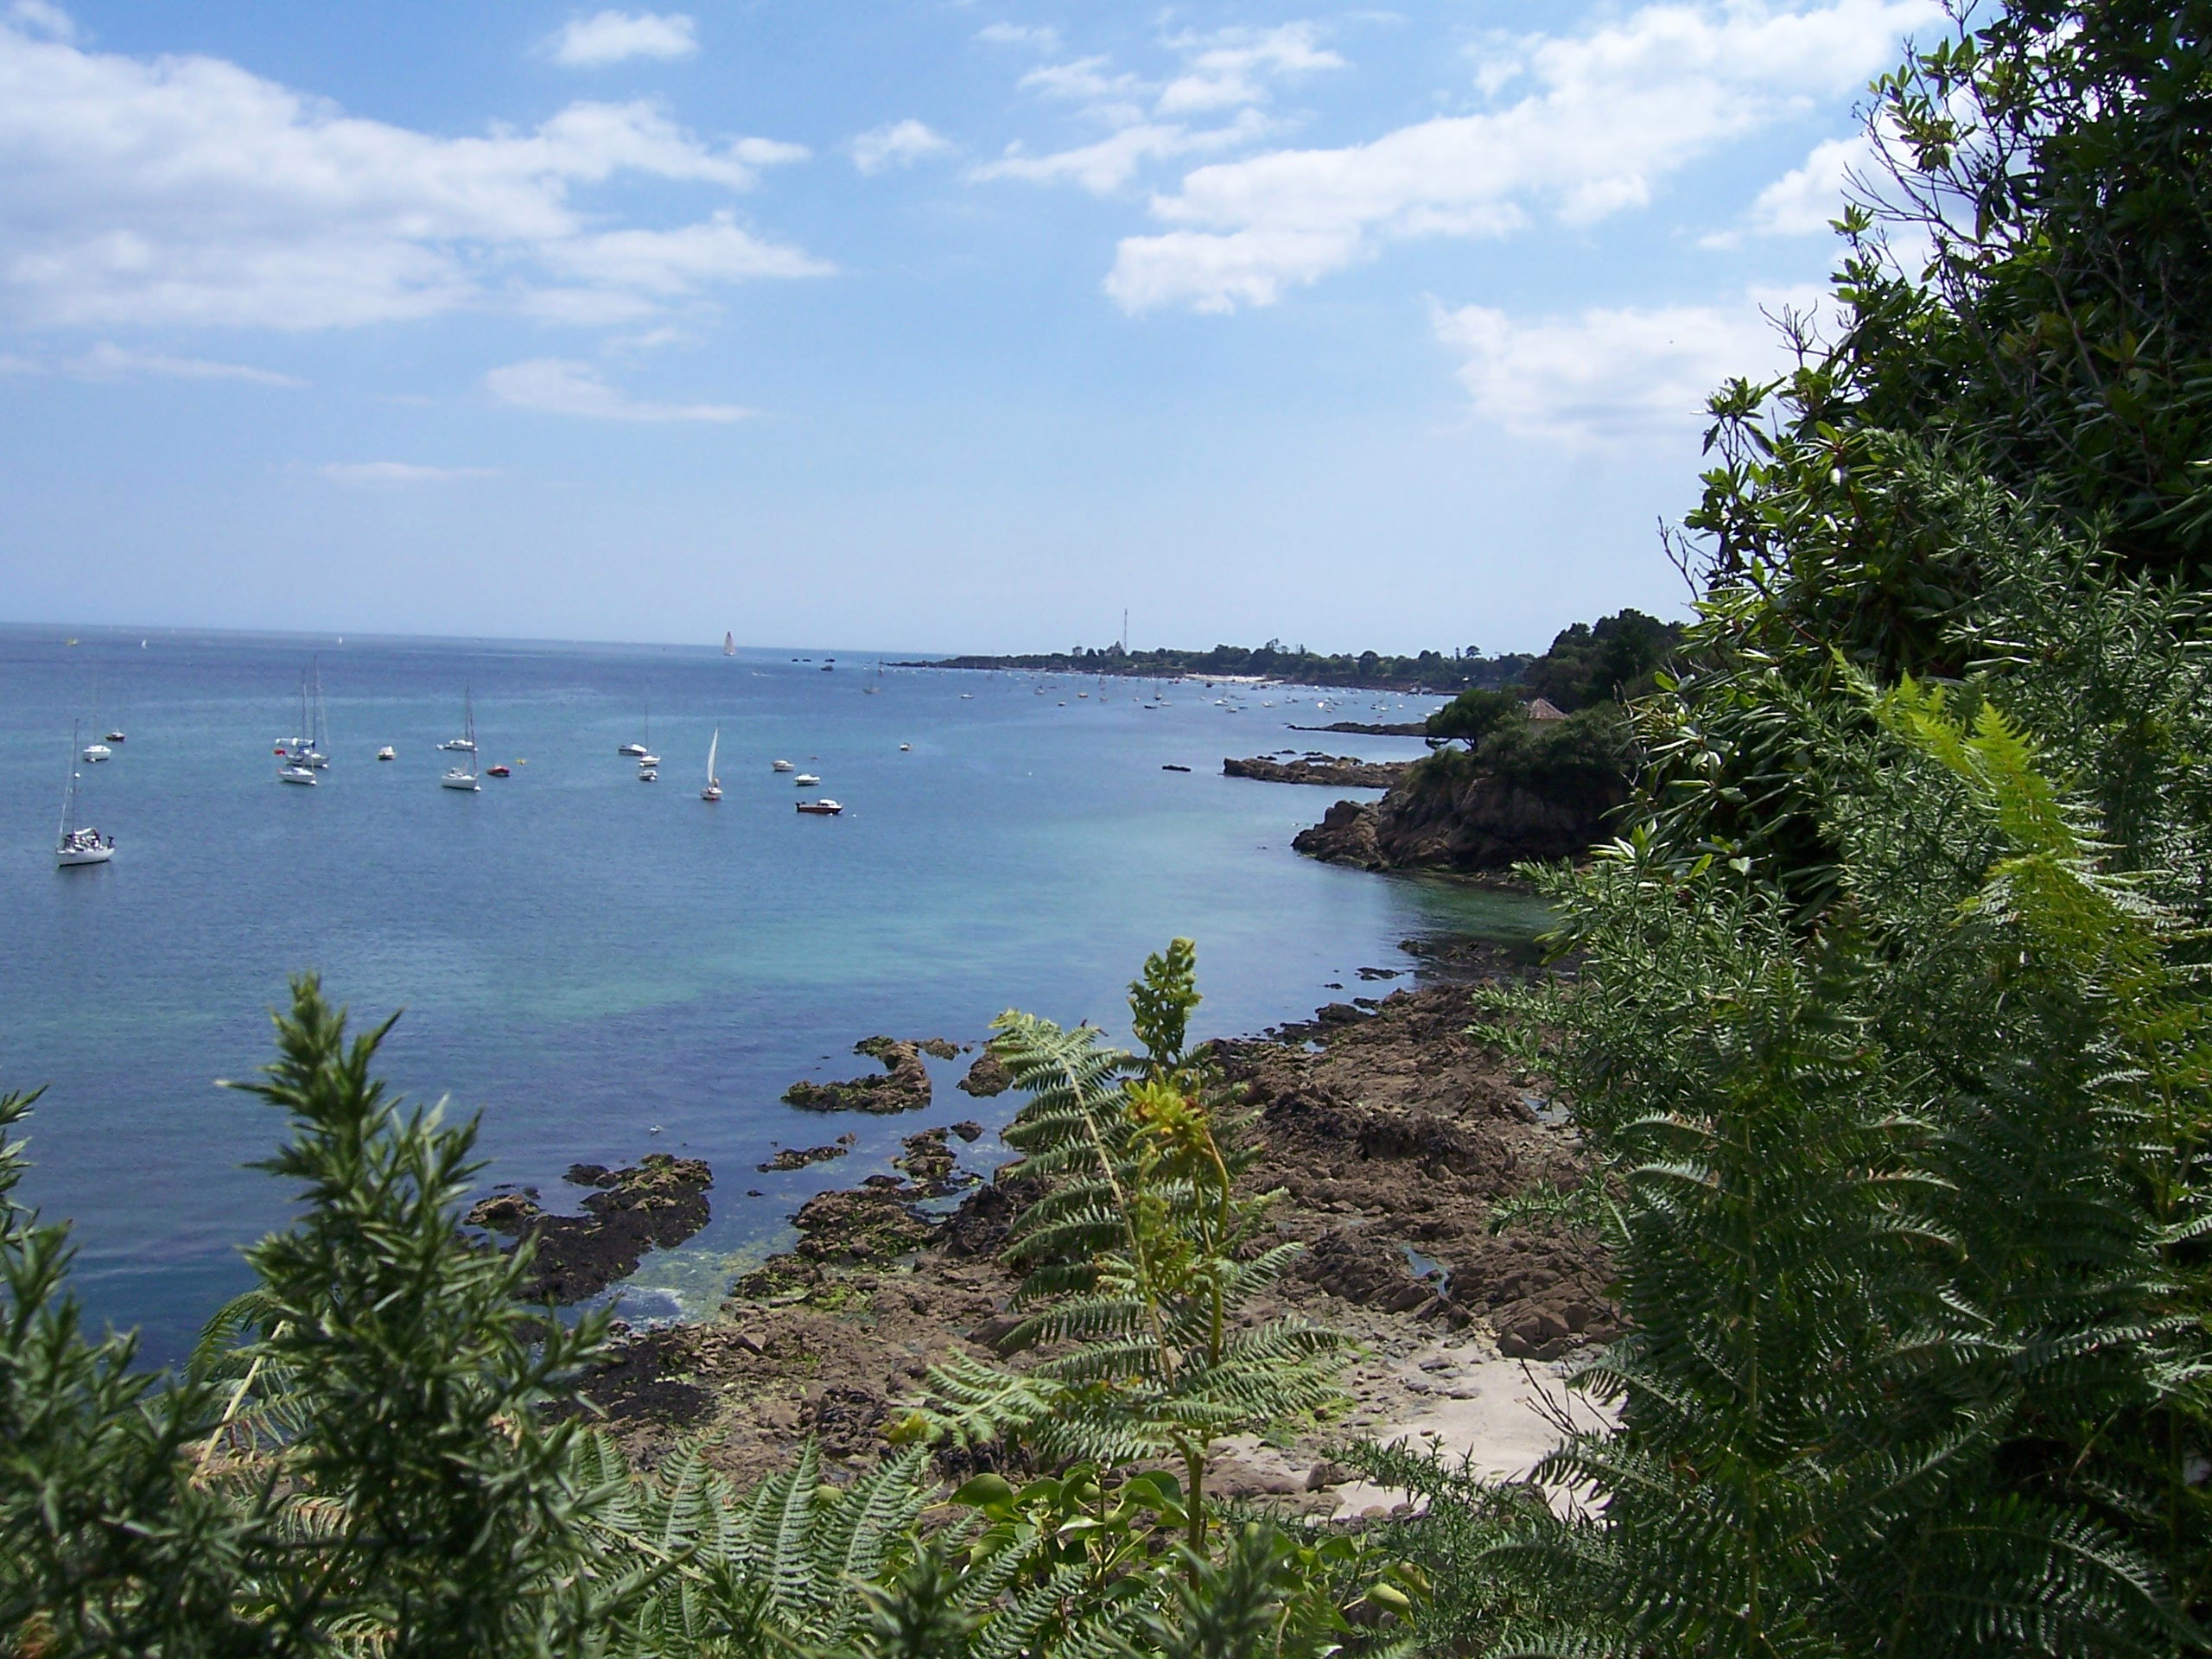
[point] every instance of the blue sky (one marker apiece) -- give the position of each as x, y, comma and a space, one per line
892, 325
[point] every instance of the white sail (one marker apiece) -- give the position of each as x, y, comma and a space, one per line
714, 746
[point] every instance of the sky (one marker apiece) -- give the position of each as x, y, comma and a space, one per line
903, 324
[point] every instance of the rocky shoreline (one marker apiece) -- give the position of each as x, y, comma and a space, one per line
1391, 1133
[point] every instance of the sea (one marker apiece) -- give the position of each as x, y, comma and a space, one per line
598, 968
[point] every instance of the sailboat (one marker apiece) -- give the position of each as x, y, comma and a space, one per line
713, 791
318, 737
78, 844
729, 644
463, 774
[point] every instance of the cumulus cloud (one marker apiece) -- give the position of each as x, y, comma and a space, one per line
40, 17
186, 190
1228, 71
558, 386
398, 474
1614, 373
899, 144
1600, 118
1803, 202
1041, 37
615, 36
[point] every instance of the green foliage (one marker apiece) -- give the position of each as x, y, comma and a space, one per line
1615, 659
1141, 1256
1160, 1001
1474, 715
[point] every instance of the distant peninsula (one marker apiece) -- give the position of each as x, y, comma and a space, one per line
1443, 672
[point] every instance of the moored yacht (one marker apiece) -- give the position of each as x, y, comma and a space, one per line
463, 773
78, 843
782, 765
713, 791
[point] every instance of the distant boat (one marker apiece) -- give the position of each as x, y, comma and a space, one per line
825, 809
729, 644
294, 772
648, 775
116, 737
386, 752
647, 762
806, 780
496, 772
97, 752
713, 791
967, 696
318, 734
78, 843
642, 751
905, 748
782, 765
461, 774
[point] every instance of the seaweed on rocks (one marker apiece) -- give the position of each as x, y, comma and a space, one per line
903, 1085
656, 1203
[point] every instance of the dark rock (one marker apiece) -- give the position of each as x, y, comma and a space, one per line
1337, 1014
937, 1049
984, 1221
799, 1157
870, 1224
930, 1163
967, 1128
1371, 729
1338, 770
987, 1077
1344, 835
659, 1202
844, 1419
902, 1086
631, 1381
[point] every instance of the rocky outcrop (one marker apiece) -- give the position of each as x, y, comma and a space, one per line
658, 1202
1344, 835
1452, 820
1371, 729
902, 1086
987, 1077
793, 1157
1338, 770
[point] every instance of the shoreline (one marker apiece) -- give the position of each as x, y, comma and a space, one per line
1390, 1132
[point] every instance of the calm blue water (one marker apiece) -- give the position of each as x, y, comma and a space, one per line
587, 959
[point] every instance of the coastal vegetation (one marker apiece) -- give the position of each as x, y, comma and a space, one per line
1888, 1036
1424, 671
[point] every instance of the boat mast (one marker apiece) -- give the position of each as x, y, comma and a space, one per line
69, 790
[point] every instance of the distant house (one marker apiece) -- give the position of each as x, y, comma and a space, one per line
1543, 709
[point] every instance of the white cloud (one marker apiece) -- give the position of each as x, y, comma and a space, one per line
899, 144
185, 190
40, 17
397, 475
615, 36
1225, 69
1606, 374
1803, 202
1041, 37
558, 386
1112, 160
1607, 115
681, 261
108, 361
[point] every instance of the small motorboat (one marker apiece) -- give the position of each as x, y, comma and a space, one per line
967, 696
97, 752
806, 780
387, 752
460, 745
496, 772
647, 762
297, 774
648, 775
822, 808
631, 749
906, 748
116, 737
782, 765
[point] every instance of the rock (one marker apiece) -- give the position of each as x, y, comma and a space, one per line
1337, 1014
1338, 770
1344, 835
870, 1224
967, 1128
930, 1163
984, 1221
844, 1420
902, 1086
658, 1202
937, 1049
799, 1157
987, 1077
1371, 729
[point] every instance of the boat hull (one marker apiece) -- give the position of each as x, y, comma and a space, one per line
468, 783
76, 856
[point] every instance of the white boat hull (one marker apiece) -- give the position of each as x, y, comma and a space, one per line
298, 775
460, 780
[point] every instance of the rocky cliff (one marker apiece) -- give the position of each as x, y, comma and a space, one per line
1450, 816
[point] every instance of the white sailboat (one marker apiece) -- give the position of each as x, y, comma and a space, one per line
713, 791
318, 736
463, 773
729, 644
78, 843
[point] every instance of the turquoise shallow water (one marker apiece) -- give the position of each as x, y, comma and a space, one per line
587, 959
